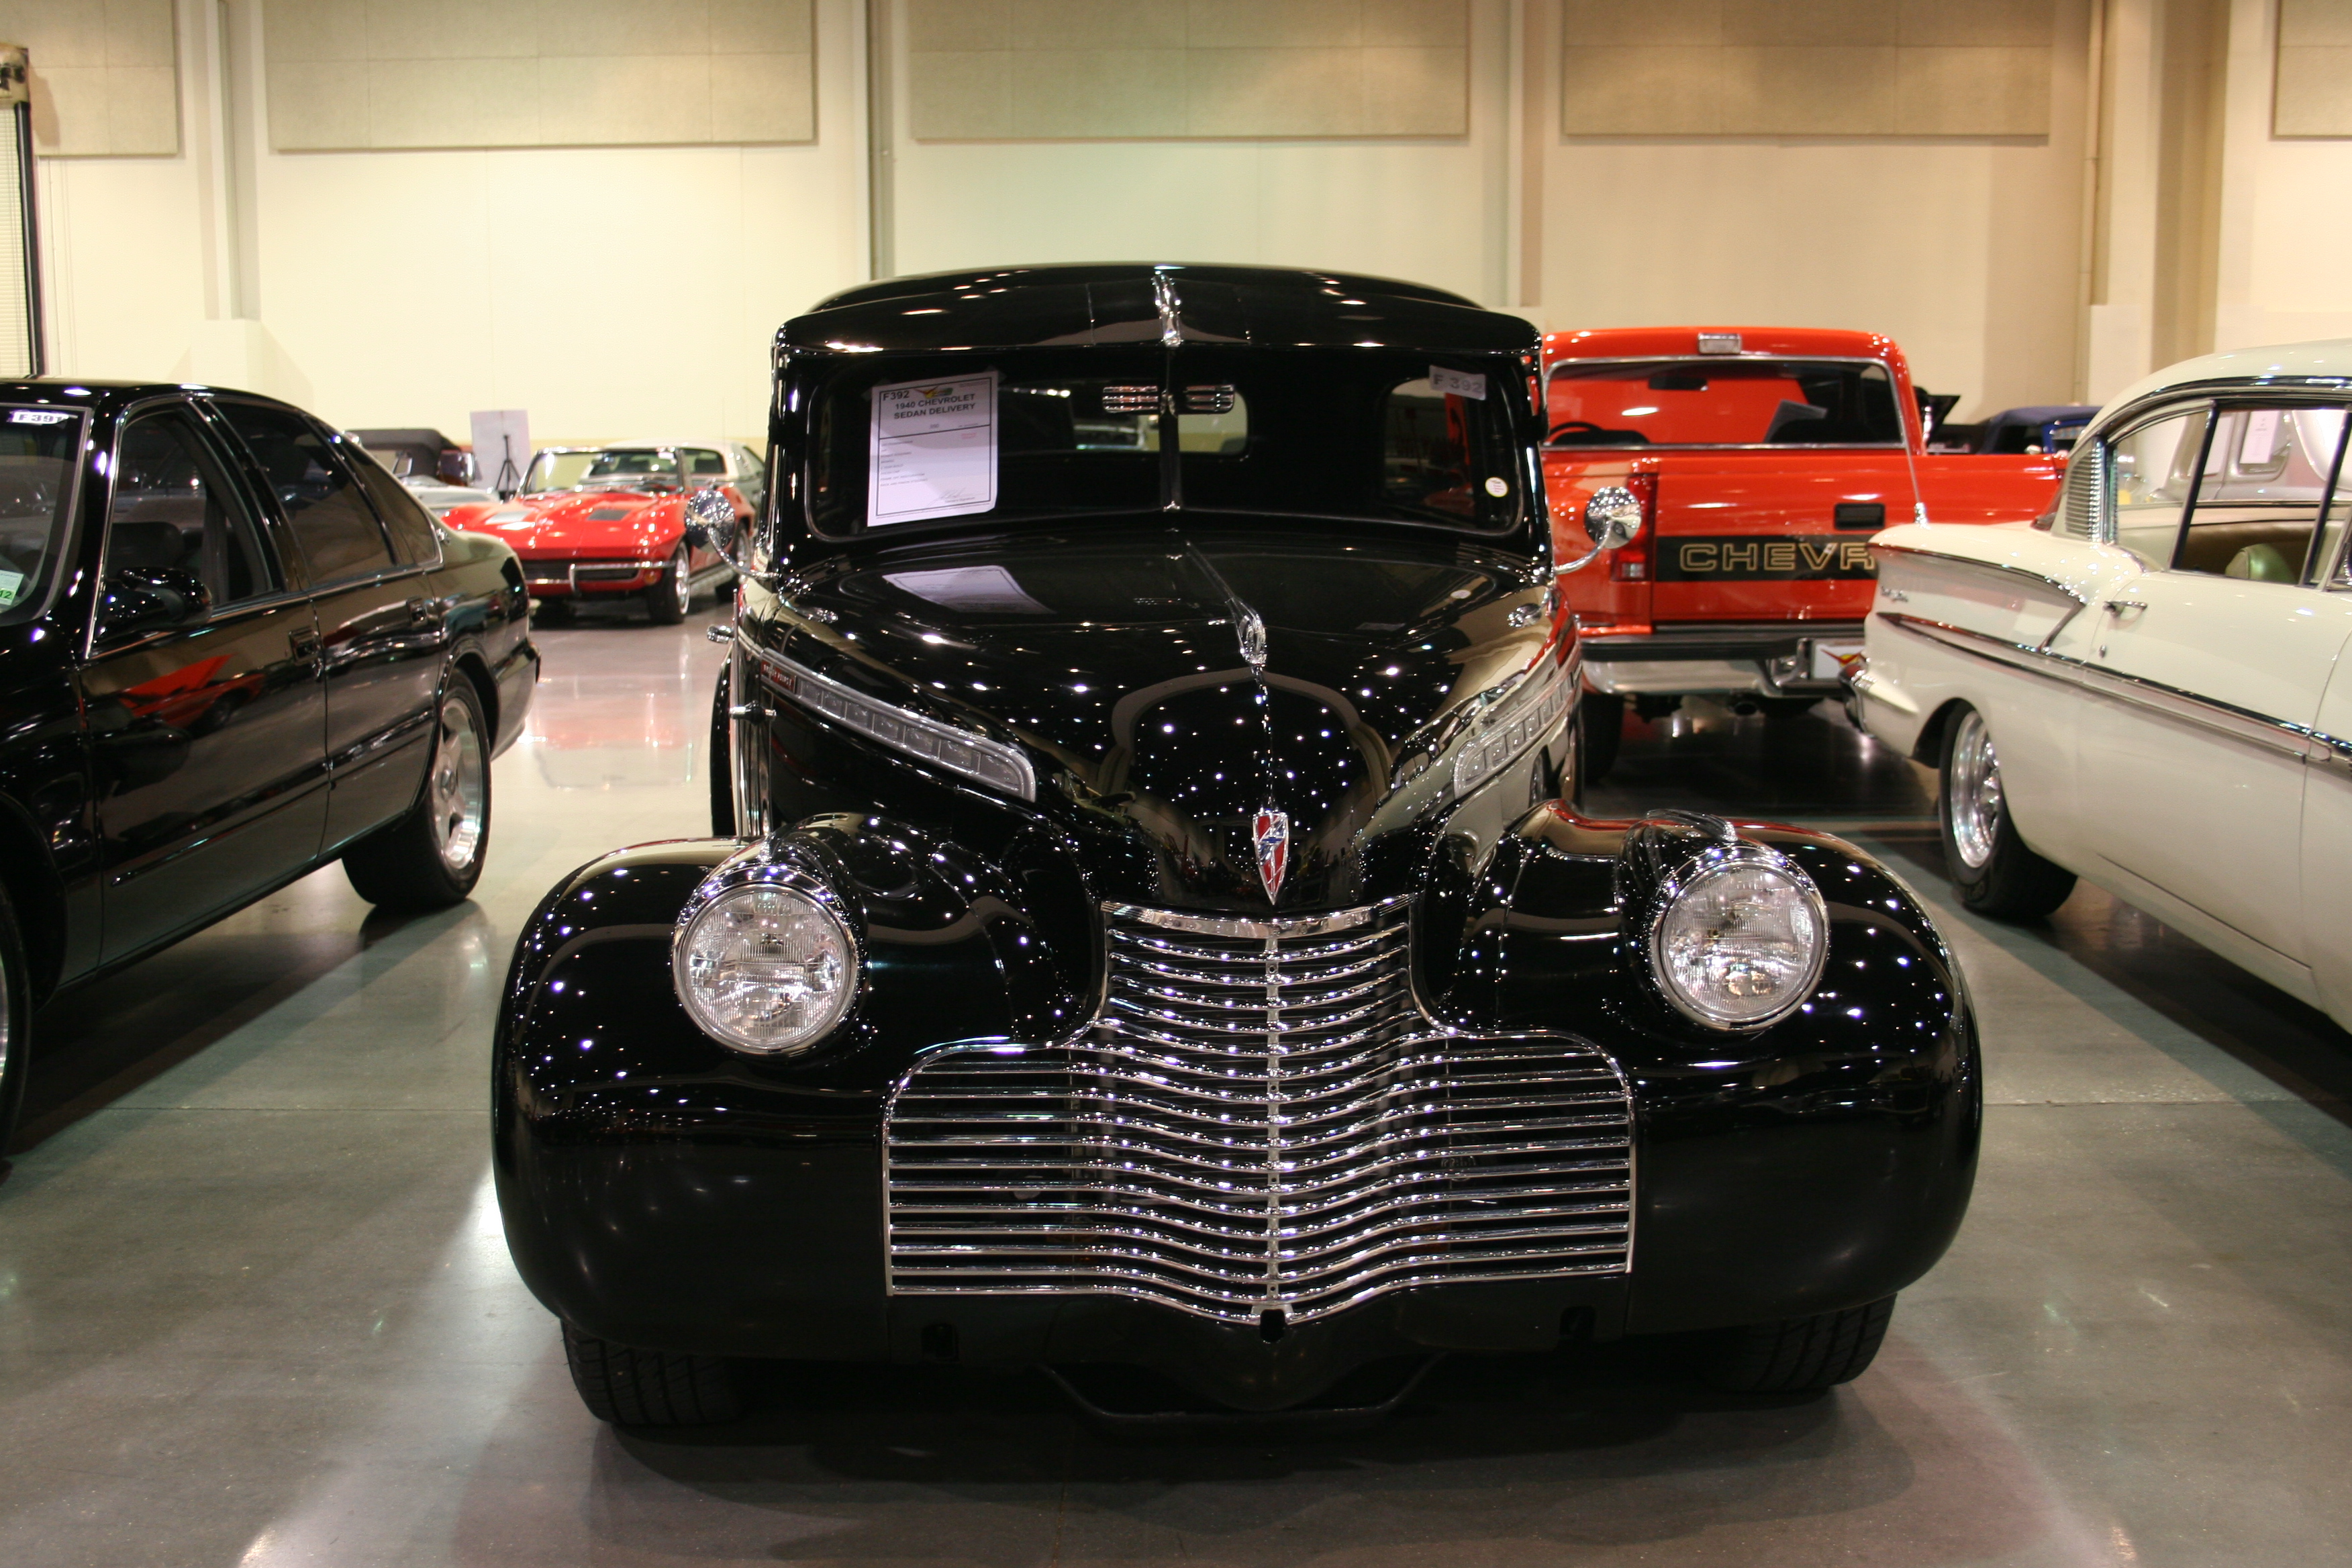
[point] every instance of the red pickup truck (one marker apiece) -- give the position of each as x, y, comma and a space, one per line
1762, 459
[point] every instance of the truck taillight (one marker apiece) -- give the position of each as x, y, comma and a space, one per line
1632, 562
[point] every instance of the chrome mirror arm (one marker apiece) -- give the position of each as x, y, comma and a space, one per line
711, 524
1613, 517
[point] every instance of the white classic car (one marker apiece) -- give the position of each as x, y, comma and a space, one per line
2145, 689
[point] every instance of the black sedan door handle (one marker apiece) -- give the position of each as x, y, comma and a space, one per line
423, 609
302, 642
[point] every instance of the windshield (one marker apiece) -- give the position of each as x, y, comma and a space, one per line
1387, 436
632, 467
37, 449
1722, 402
553, 470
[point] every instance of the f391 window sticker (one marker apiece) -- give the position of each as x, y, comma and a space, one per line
1748, 558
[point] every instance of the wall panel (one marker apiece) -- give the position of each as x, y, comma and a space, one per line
409, 73
1121, 69
104, 76
1827, 68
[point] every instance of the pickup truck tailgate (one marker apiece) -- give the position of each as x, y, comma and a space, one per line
1751, 536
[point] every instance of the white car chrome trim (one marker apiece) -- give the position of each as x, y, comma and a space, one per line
2225, 718
2069, 589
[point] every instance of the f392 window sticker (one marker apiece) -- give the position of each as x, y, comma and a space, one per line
1748, 558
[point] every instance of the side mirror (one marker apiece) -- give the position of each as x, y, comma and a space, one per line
150, 598
1613, 517
711, 524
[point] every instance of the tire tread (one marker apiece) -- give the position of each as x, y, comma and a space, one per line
632, 1387
1801, 1355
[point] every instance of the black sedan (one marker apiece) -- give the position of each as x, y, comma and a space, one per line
233, 649
1148, 923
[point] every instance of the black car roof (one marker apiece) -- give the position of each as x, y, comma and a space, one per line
1136, 302
85, 392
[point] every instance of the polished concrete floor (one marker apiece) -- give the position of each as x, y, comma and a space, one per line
255, 1308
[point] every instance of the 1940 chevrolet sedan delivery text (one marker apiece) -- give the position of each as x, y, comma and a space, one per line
1144, 925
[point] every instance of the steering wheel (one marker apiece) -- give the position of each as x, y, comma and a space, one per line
1573, 428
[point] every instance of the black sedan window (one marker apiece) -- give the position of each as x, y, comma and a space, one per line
338, 529
37, 451
175, 510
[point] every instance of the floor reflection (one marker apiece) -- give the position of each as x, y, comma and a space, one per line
254, 1307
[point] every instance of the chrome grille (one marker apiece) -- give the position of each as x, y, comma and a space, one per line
1258, 1121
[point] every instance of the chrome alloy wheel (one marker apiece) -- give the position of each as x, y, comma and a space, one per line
460, 787
681, 571
1973, 805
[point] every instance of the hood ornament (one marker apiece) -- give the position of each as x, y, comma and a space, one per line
1251, 627
1270, 833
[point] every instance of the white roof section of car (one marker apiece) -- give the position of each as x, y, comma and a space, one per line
2323, 357
720, 445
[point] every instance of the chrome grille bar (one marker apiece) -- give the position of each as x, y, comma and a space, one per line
1257, 1121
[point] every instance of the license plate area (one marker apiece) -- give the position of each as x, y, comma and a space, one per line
1826, 660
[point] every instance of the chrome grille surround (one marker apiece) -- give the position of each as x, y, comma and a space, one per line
1260, 1120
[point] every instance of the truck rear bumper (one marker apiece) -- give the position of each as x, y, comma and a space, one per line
1773, 659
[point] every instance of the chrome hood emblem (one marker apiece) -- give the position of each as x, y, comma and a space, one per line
1271, 833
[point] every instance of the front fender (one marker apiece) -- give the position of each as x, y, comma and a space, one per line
634, 1154
1818, 1163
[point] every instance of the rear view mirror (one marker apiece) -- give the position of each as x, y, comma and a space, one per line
711, 524
150, 598
1613, 518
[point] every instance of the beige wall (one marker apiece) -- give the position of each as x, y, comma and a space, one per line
1962, 247
103, 75
399, 286
412, 287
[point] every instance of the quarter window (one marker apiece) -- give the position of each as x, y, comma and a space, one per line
2153, 471
330, 518
414, 537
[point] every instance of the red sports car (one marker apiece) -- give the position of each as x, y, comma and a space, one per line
609, 522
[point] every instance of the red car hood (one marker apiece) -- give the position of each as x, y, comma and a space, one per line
579, 524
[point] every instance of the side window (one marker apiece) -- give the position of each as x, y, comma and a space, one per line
703, 463
175, 508
331, 518
413, 539
2153, 468
1442, 457
2258, 500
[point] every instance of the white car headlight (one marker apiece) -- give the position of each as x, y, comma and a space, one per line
765, 967
1740, 939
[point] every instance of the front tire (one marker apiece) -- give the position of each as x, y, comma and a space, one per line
1992, 869
432, 858
669, 600
1799, 1355
1600, 721
16, 1024
630, 1387
722, 757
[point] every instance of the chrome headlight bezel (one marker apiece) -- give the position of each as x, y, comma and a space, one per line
755, 869
1715, 860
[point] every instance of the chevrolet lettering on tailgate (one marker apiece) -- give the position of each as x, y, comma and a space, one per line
1735, 559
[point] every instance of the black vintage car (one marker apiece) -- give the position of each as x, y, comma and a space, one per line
1145, 922
232, 649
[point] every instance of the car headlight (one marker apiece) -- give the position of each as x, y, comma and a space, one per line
1739, 938
764, 966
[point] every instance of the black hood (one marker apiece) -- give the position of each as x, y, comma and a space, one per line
1170, 684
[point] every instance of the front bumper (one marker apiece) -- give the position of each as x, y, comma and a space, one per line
662, 1191
565, 579
1788, 658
